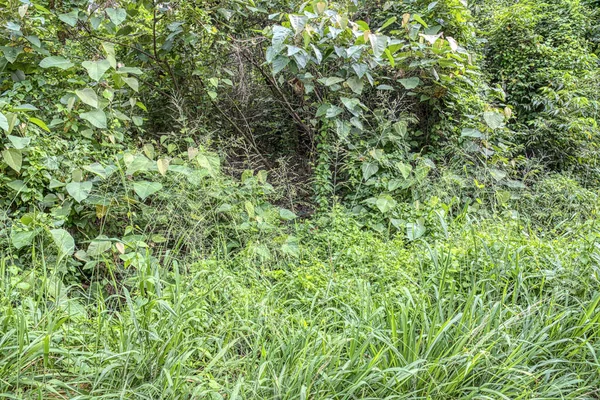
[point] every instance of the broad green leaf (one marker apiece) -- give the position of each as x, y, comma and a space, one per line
80, 190
333, 111
98, 169
144, 188
330, 81
22, 239
98, 246
493, 119
96, 69
388, 23
19, 142
109, 50
298, 22
279, 63
116, 15
88, 96
69, 18
97, 118
420, 20
290, 247
410, 83
34, 40
57, 62
470, 132
378, 44
415, 230
13, 158
132, 83
12, 121
64, 241
149, 151
163, 166
212, 163
25, 107
280, 34
287, 214
137, 163
497, 174
385, 203
353, 105
11, 52
39, 123
3, 122
130, 70
515, 184
75, 310
369, 169
138, 121
356, 84
17, 185
405, 169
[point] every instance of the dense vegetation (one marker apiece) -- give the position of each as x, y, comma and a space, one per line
275, 199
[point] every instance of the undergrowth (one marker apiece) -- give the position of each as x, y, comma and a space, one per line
487, 311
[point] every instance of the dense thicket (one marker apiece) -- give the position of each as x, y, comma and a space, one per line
338, 162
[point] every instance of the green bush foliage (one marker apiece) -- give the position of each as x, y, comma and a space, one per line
275, 199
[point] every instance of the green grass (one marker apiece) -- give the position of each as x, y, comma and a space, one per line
487, 312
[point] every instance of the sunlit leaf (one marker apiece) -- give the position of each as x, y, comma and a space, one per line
144, 189
56, 62
96, 69
3, 122
19, 142
13, 158
117, 16
287, 214
69, 18
39, 123
64, 241
410, 83
79, 190
88, 96
97, 118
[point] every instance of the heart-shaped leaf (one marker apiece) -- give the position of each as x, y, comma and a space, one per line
19, 142
410, 83
145, 188
415, 230
79, 190
163, 166
98, 246
97, 118
69, 18
96, 69
64, 241
116, 15
493, 119
369, 169
88, 96
385, 203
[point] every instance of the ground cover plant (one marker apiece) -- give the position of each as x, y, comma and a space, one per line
272, 199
